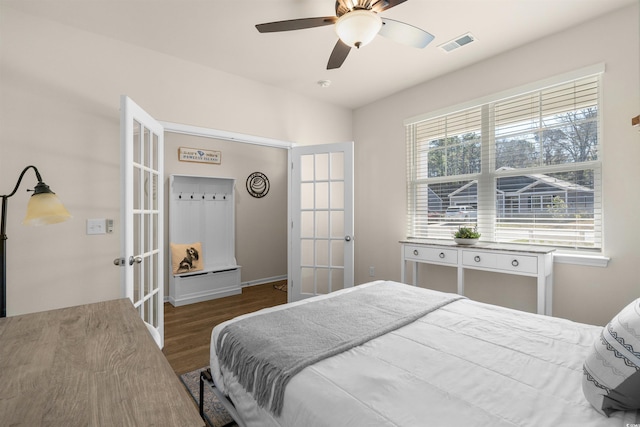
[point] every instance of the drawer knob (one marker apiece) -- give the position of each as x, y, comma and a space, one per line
476, 258
415, 252
515, 263
441, 255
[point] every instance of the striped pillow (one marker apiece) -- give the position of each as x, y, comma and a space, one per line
611, 380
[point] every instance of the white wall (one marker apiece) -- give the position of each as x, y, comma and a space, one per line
587, 294
59, 100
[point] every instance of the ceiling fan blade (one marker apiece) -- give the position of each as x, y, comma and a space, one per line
380, 5
339, 54
296, 24
405, 34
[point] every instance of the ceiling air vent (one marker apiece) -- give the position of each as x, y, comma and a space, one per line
457, 42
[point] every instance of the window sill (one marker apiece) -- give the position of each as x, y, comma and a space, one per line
579, 259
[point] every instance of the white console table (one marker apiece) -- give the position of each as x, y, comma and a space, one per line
532, 261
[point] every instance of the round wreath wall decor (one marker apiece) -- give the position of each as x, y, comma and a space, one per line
258, 184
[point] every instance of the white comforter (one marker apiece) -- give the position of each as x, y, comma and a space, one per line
467, 363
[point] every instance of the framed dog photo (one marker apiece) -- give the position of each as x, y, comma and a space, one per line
186, 257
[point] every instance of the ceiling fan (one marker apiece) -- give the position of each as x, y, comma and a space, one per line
357, 23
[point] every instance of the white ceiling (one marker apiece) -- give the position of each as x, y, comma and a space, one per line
220, 34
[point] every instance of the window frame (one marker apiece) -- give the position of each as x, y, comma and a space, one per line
486, 178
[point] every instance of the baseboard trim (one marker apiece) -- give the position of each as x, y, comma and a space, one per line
263, 281
250, 283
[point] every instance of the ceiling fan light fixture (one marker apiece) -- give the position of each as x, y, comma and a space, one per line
358, 27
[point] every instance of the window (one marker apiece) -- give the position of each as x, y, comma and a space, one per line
522, 169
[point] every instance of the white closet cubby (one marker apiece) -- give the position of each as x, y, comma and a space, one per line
202, 209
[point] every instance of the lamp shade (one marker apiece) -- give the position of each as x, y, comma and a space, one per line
358, 27
45, 208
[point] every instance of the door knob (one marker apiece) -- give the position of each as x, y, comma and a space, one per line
133, 259
118, 261
347, 238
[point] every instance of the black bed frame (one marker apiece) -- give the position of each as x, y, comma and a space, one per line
207, 379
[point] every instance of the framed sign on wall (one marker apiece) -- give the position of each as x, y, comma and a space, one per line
199, 155
258, 184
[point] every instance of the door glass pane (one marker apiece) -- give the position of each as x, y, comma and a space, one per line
322, 195
147, 272
337, 195
136, 187
307, 279
322, 167
306, 224
337, 166
147, 234
337, 279
337, 224
306, 167
306, 252
154, 270
136, 233
322, 252
337, 253
147, 148
154, 230
322, 224
137, 145
147, 311
306, 196
154, 318
137, 281
147, 189
154, 194
322, 281
154, 165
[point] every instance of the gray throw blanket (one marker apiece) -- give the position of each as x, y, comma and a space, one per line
265, 351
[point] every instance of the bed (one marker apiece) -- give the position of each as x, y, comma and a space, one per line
461, 362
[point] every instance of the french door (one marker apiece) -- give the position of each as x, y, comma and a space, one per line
321, 213
142, 218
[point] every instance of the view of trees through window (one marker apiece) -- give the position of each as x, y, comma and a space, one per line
540, 181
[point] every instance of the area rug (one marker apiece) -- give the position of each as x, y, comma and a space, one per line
214, 412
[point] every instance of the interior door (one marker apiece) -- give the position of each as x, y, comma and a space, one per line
142, 218
321, 214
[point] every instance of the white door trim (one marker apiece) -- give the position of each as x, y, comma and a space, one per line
225, 135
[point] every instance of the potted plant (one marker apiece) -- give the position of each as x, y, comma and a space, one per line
466, 236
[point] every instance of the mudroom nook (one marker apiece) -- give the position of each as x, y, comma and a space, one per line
202, 239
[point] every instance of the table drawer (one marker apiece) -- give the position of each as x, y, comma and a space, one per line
517, 263
479, 259
512, 263
436, 255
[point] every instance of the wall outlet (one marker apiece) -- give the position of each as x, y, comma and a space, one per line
372, 271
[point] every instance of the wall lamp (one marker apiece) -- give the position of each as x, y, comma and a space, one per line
44, 208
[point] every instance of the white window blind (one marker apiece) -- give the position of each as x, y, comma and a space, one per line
523, 169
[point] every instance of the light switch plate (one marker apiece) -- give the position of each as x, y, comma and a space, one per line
96, 226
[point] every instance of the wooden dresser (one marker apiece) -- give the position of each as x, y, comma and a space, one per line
91, 365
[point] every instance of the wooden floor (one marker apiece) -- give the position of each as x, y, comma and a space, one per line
187, 329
